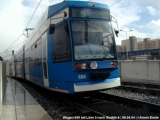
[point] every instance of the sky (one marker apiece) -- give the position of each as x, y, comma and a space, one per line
140, 16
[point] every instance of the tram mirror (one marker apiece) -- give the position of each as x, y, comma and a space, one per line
65, 14
116, 32
51, 29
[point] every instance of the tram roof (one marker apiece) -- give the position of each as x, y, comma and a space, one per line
60, 6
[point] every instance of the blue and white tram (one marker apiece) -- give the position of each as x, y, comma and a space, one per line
71, 50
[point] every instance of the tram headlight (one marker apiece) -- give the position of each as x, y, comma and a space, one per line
114, 64
83, 66
80, 66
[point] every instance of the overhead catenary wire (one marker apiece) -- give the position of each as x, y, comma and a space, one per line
51, 2
6, 56
17, 45
6, 51
2, 52
34, 13
13, 43
114, 3
15, 40
26, 27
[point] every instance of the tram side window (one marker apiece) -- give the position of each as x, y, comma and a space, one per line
32, 55
38, 53
61, 44
26, 59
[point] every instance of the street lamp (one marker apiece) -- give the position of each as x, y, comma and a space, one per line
126, 32
126, 39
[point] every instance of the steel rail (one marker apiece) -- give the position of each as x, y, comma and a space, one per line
139, 89
84, 109
131, 102
142, 84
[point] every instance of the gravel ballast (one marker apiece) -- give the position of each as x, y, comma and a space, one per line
155, 99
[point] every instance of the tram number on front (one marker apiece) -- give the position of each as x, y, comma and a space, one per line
81, 76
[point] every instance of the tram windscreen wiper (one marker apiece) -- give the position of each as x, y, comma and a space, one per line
107, 56
104, 57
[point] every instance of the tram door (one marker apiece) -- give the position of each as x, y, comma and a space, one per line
44, 59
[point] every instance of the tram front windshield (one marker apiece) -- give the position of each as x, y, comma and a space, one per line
93, 40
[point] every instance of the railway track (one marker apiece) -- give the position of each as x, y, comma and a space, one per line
86, 111
131, 102
78, 104
139, 89
100, 96
83, 106
151, 86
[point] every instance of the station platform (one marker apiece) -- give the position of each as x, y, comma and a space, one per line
18, 104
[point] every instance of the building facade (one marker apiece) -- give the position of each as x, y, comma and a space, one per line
140, 45
131, 43
146, 43
121, 48
135, 44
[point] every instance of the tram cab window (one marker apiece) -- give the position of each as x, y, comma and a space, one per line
108, 41
99, 37
61, 44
